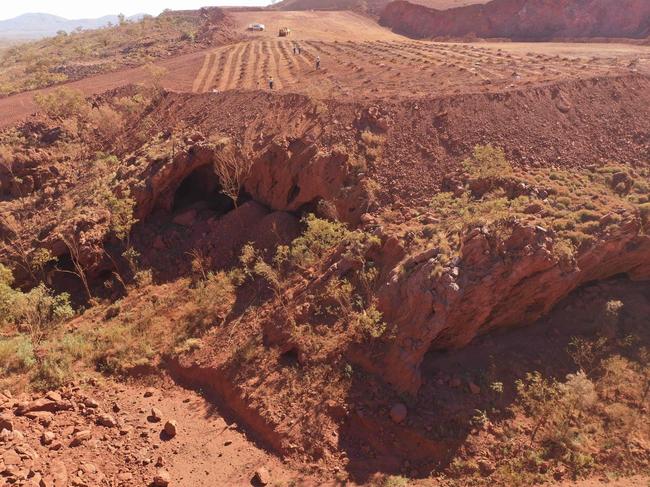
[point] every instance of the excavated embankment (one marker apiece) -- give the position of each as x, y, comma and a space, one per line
377, 166
502, 276
523, 19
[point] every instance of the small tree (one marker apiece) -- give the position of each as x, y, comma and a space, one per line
31, 261
155, 75
231, 166
75, 255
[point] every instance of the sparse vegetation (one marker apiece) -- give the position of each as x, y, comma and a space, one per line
64, 57
231, 165
306, 323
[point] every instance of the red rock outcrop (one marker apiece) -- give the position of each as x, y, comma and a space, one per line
481, 290
523, 19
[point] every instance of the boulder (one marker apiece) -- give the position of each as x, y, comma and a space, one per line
43, 404
80, 437
47, 438
155, 416
6, 423
161, 479
170, 428
262, 476
106, 420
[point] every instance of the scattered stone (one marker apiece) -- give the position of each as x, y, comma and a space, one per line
43, 417
89, 402
162, 478
10, 457
124, 476
398, 413
106, 420
5, 435
54, 396
47, 438
58, 474
42, 405
56, 445
80, 437
155, 416
88, 468
149, 392
473, 388
186, 218
170, 428
262, 476
159, 462
6, 423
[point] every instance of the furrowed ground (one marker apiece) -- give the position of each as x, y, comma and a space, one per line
360, 61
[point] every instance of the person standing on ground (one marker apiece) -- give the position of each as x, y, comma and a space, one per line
317, 62
270, 82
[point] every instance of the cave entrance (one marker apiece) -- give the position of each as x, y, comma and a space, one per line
201, 188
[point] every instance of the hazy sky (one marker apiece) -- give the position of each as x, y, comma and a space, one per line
76, 9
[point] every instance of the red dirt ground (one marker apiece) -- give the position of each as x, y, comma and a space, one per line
546, 104
362, 61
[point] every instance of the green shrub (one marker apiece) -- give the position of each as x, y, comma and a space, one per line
369, 322
487, 162
215, 297
62, 103
319, 237
16, 354
644, 212
39, 309
120, 347
52, 372
395, 481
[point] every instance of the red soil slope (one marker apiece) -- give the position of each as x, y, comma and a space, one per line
524, 19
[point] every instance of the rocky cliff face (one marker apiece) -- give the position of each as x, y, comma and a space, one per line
524, 19
481, 291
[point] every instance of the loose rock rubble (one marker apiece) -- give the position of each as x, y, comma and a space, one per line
69, 438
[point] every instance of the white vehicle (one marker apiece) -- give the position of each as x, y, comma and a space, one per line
259, 27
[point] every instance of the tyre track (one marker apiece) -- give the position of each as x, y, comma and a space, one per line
243, 65
231, 69
216, 72
200, 77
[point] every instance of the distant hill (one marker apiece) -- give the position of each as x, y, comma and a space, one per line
368, 6
37, 25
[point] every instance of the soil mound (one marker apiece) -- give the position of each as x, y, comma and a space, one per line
523, 19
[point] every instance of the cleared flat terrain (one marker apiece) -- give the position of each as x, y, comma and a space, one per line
614, 51
391, 68
361, 60
321, 25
